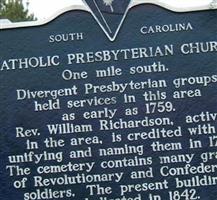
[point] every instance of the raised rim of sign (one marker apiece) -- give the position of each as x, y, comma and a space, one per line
44, 21
84, 7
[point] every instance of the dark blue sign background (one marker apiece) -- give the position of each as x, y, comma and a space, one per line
33, 41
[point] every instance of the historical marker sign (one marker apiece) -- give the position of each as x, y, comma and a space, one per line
121, 111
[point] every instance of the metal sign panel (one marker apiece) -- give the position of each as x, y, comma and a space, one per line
123, 115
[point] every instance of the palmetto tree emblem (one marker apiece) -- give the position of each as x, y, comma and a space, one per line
103, 11
109, 3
